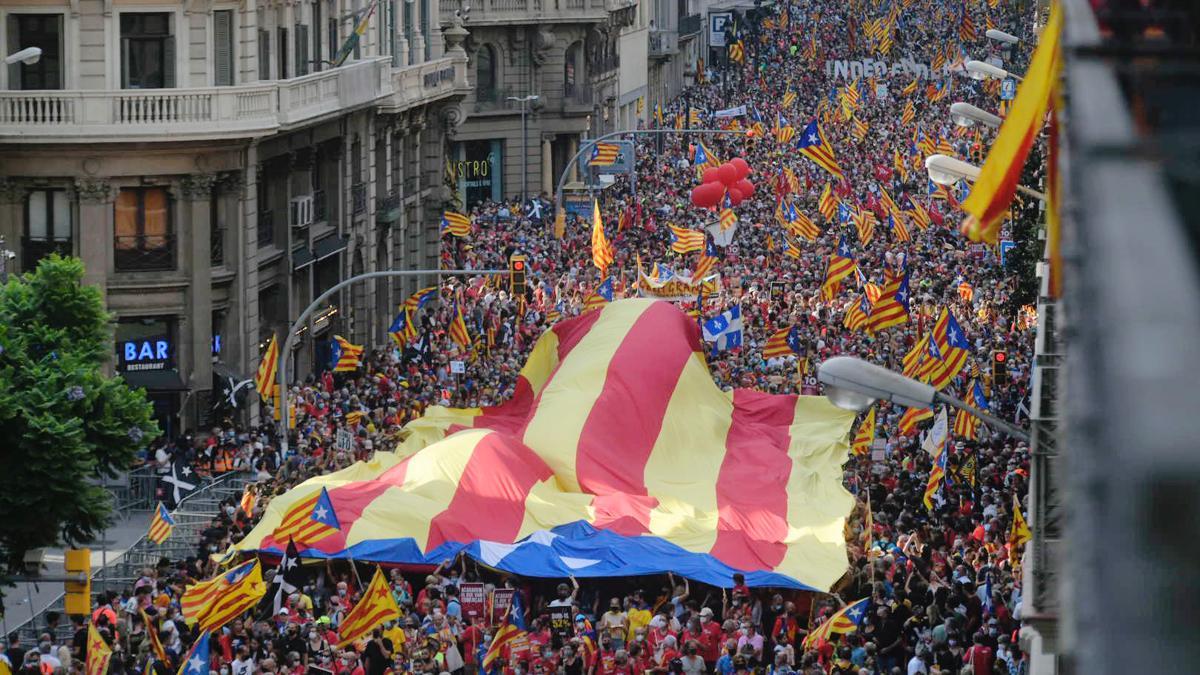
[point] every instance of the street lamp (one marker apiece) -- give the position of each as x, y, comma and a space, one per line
982, 71
1001, 36
854, 384
27, 56
945, 170
524, 145
966, 115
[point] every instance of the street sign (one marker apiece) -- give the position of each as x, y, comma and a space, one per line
1006, 245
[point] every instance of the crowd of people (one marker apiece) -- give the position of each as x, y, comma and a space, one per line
943, 580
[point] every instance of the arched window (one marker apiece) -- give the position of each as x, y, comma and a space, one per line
572, 70
485, 74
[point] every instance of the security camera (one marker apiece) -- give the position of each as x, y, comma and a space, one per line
27, 56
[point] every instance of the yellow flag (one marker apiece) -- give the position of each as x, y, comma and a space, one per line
98, 652
376, 606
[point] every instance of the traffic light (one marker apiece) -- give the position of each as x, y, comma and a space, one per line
78, 598
516, 275
999, 367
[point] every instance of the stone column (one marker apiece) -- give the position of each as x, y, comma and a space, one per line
400, 58
548, 176
95, 196
195, 209
418, 43
249, 319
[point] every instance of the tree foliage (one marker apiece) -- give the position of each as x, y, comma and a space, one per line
63, 423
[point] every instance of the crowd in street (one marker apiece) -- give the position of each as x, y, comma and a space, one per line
944, 582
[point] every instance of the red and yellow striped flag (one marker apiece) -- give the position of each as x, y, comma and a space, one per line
861, 445
376, 606
264, 380
217, 601
602, 250
996, 186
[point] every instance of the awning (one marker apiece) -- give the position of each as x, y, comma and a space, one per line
329, 246
154, 380
301, 258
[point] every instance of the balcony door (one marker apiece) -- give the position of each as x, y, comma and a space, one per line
44, 31
147, 51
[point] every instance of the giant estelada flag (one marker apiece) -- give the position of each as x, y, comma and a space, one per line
617, 455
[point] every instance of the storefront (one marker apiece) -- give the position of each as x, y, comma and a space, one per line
147, 358
477, 168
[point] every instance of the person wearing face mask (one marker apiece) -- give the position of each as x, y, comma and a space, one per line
692, 662
316, 648
606, 658
347, 664
749, 637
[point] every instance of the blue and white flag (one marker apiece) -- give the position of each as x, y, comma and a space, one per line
725, 330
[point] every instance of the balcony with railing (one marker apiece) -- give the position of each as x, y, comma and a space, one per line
144, 253
663, 44
577, 99
33, 250
194, 113
493, 12
426, 82
493, 100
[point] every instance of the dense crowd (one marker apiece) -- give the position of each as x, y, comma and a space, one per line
944, 582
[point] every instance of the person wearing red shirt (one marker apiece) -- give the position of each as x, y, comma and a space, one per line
979, 657
711, 638
469, 641
787, 623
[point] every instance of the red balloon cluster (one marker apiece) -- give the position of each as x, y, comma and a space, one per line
716, 182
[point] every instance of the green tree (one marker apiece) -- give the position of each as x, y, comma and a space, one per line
63, 423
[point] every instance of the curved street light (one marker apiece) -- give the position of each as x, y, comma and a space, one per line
854, 384
1001, 36
945, 170
980, 70
966, 115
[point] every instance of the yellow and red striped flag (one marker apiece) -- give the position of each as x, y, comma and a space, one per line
846, 620
161, 525
936, 474
457, 224
813, 145
345, 357
217, 601
605, 154
376, 606
602, 250
910, 418
789, 98
996, 186
861, 445
684, 240
781, 342
828, 204
841, 265
864, 224
458, 328
909, 115
857, 314
598, 423
156, 644
892, 307
727, 219
309, 520
264, 380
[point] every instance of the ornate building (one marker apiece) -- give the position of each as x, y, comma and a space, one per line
216, 170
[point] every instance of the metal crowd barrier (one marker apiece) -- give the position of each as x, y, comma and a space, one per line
193, 515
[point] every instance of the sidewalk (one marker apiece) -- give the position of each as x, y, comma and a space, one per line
119, 538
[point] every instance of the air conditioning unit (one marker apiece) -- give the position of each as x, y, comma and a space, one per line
300, 211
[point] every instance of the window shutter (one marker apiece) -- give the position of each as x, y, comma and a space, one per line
223, 47
283, 53
125, 42
169, 62
301, 49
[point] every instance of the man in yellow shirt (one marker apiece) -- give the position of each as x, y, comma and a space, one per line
638, 614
